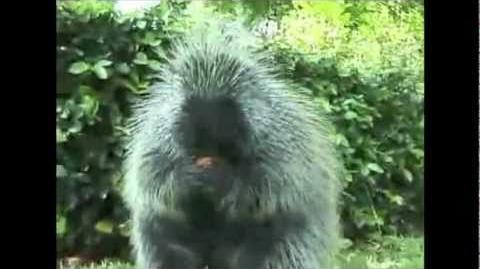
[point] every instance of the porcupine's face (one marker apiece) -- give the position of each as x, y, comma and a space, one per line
214, 133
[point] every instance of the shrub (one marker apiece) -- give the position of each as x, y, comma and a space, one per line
369, 79
104, 61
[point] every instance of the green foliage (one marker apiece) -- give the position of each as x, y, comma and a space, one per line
369, 80
105, 264
387, 253
360, 61
252, 9
104, 60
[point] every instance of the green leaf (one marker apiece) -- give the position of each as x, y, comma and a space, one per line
164, 11
104, 226
324, 104
61, 226
125, 228
141, 59
375, 167
86, 90
90, 103
76, 127
133, 88
141, 24
159, 52
397, 199
123, 68
154, 65
143, 86
394, 198
134, 77
78, 68
341, 140
104, 63
61, 137
61, 171
348, 177
350, 115
418, 153
100, 71
408, 175
151, 39
364, 171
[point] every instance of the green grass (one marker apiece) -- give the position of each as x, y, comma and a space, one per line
107, 264
387, 253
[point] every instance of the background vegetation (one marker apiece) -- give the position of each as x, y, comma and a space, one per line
361, 62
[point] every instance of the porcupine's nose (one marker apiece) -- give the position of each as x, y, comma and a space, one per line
205, 162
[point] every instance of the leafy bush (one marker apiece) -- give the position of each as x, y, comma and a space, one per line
362, 63
104, 61
369, 79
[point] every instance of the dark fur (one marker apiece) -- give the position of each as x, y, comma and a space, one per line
270, 203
